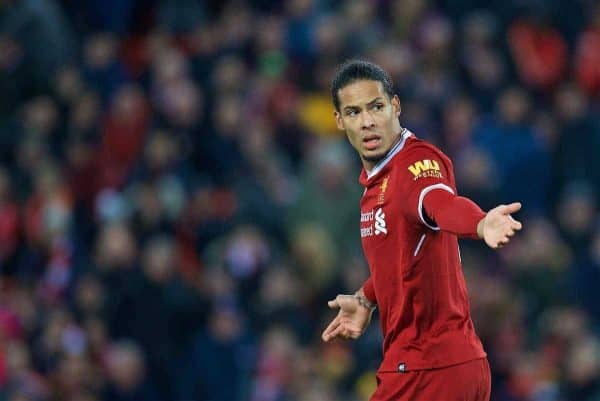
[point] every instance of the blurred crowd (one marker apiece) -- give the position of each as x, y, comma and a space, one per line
177, 206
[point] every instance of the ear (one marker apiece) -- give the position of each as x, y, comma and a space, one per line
396, 105
338, 120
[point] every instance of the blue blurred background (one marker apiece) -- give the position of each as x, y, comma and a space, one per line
176, 205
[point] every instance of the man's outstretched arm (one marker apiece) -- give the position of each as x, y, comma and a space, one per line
461, 216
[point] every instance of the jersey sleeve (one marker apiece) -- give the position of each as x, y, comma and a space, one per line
455, 214
369, 290
422, 171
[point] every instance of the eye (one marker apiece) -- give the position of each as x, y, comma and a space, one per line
351, 113
379, 106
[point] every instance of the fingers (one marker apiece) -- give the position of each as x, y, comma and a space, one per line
335, 329
342, 327
503, 226
344, 302
328, 332
510, 208
340, 331
500, 244
331, 331
504, 240
514, 224
338, 302
333, 304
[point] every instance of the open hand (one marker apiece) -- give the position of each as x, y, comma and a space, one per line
498, 226
351, 320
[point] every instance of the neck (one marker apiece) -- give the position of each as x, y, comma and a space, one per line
369, 165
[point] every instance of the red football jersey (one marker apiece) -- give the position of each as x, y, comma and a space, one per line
415, 268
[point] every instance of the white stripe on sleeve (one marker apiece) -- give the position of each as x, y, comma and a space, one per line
424, 192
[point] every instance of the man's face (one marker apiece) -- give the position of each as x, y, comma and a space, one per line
369, 118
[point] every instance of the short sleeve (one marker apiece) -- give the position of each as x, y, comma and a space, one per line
424, 170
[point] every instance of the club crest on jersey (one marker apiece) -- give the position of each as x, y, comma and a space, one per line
383, 187
376, 220
425, 168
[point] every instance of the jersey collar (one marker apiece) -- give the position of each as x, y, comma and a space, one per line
364, 176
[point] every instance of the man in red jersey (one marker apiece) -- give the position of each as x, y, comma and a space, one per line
411, 217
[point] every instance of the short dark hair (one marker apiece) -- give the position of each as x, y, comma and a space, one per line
356, 70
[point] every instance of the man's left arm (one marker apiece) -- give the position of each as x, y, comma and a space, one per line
455, 214
432, 201
461, 216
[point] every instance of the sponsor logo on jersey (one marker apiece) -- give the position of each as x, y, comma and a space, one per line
377, 225
366, 217
425, 168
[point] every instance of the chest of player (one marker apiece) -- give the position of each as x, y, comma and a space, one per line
387, 236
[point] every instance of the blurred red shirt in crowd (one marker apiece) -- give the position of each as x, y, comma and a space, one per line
539, 52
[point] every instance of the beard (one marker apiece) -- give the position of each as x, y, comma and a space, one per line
378, 157
375, 158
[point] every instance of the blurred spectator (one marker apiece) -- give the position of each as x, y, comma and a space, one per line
123, 136
36, 40
328, 195
182, 15
221, 359
576, 214
538, 266
539, 52
9, 223
586, 55
579, 137
520, 159
127, 374
102, 68
586, 277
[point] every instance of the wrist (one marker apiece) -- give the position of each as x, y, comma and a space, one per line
480, 227
363, 301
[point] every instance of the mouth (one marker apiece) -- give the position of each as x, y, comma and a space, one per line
371, 142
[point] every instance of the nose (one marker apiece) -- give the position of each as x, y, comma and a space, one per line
367, 120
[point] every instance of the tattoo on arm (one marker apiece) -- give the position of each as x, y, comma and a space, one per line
364, 302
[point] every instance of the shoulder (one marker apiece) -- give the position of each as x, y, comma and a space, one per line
418, 150
423, 163
420, 146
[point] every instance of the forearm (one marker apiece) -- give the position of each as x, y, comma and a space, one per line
455, 214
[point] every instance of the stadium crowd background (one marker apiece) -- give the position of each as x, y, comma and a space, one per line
176, 205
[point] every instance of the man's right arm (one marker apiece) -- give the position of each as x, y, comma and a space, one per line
354, 313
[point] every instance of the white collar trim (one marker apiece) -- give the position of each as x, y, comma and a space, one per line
397, 148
